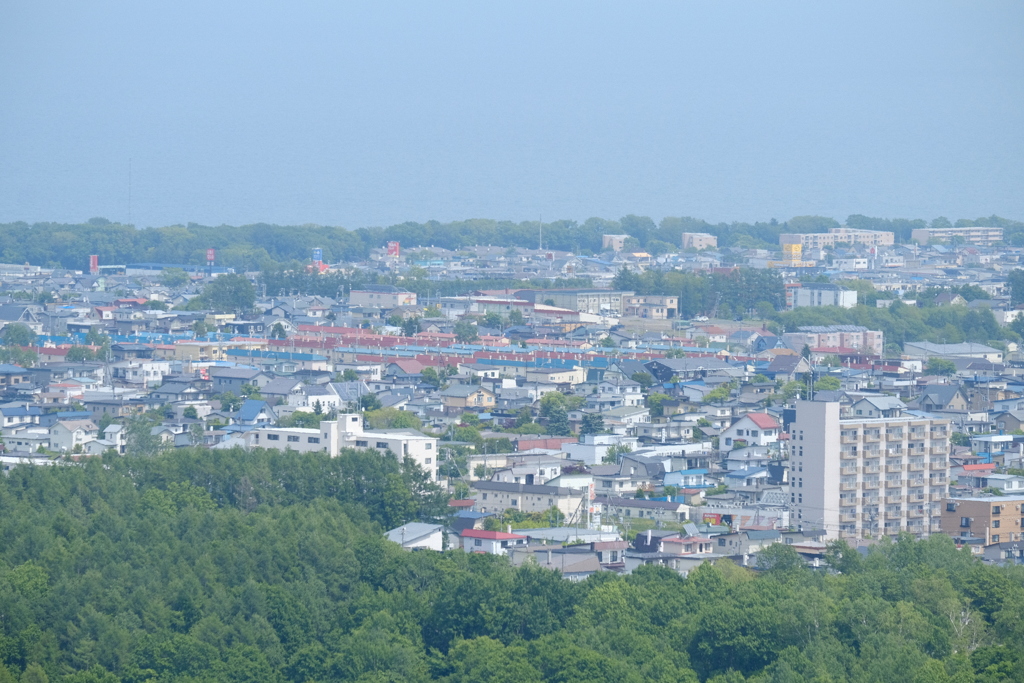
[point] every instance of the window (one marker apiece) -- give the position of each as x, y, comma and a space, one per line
273, 437
485, 496
426, 461
995, 538
995, 523
382, 444
965, 521
293, 439
515, 501
430, 446
362, 444
950, 507
478, 542
995, 509
313, 439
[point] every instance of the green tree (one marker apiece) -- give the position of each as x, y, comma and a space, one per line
392, 418
558, 422
369, 402
1015, 280
592, 423
77, 354
18, 334
174, 277
644, 379
199, 328
515, 317
654, 402
493, 319
190, 412
827, 383
431, 377
278, 331
350, 375
411, 326
465, 331
940, 366
230, 292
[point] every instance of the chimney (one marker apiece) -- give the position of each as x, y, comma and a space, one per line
648, 537
549, 556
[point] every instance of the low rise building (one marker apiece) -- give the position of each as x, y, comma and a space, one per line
996, 519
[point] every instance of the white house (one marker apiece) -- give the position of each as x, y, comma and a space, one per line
415, 535
65, 435
491, 542
756, 429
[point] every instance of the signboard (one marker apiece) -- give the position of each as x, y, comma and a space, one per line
211, 255
711, 518
318, 254
394, 249
94, 264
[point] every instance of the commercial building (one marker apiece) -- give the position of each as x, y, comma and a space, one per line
613, 242
979, 236
699, 240
836, 337
995, 519
856, 477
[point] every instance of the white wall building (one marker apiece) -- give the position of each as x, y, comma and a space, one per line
348, 432
824, 294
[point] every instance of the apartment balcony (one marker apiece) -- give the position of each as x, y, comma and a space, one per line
870, 486
917, 467
849, 470
893, 499
915, 513
848, 486
935, 528
894, 514
917, 497
895, 469
938, 466
871, 470
893, 483
872, 438
937, 497
848, 455
847, 518
939, 450
848, 439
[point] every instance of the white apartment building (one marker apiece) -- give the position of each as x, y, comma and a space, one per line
824, 295
867, 477
347, 432
834, 236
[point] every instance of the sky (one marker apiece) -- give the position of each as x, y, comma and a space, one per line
364, 114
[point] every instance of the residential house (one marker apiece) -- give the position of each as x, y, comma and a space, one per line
459, 398
491, 542
68, 435
418, 535
753, 429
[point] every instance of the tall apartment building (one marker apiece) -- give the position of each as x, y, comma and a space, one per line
820, 240
861, 477
596, 301
973, 235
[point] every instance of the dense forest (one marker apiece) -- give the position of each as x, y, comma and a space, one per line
199, 565
255, 247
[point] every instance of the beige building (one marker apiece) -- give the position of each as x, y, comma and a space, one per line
382, 296
859, 478
652, 307
699, 240
996, 519
498, 496
613, 242
978, 236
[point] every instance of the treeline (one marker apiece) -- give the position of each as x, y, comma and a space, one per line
279, 281
264, 566
743, 291
259, 246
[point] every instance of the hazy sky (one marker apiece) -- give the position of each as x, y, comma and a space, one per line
355, 114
